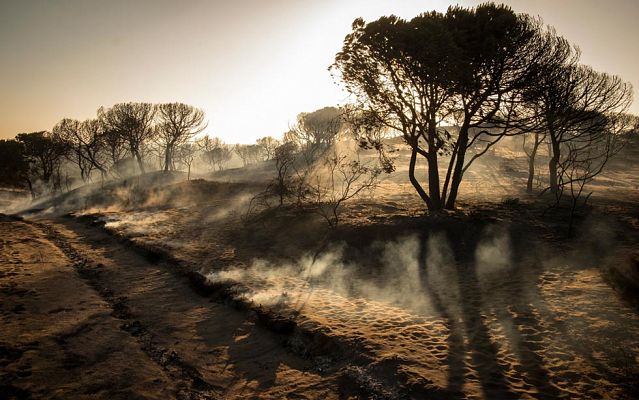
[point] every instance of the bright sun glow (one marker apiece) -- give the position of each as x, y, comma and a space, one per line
251, 65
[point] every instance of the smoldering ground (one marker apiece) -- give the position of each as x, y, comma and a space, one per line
491, 299
404, 270
510, 308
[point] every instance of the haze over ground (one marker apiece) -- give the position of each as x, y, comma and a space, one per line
251, 65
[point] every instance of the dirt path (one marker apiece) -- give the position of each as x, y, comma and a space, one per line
84, 316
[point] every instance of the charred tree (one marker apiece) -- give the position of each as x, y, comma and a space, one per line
248, 153
268, 144
315, 132
576, 107
531, 153
177, 123
133, 123
470, 66
14, 169
215, 152
85, 141
43, 154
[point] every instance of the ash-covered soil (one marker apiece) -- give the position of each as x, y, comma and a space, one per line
84, 316
494, 301
468, 306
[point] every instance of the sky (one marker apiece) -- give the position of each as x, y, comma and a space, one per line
251, 65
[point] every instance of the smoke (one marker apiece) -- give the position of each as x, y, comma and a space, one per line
493, 256
139, 223
402, 267
12, 200
234, 206
414, 272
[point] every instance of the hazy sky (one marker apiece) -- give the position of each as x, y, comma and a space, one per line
252, 65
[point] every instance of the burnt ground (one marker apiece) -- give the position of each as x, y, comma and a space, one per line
186, 296
85, 316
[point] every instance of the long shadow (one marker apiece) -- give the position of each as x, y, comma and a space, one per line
510, 300
525, 337
585, 344
484, 354
455, 339
523, 312
252, 353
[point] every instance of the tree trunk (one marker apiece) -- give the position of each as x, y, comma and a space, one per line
138, 157
458, 172
531, 164
553, 163
531, 172
415, 182
433, 169
167, 158
103, 172
33, 196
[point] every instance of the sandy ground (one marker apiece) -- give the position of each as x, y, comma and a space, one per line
542, 324
85, 317
492, 302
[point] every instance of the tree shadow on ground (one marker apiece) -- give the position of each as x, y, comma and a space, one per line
249, 353
458, 292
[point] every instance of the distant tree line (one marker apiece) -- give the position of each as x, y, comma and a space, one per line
31, 158
123, 139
